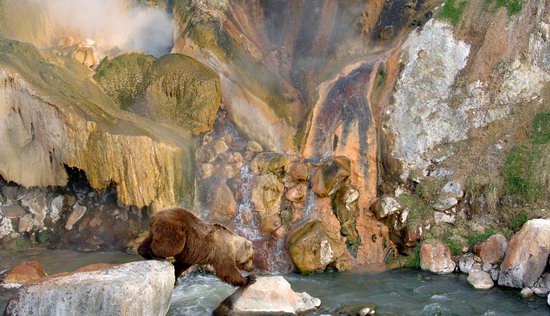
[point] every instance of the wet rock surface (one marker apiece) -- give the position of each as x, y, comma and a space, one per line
314, 247
268, 296
137, 288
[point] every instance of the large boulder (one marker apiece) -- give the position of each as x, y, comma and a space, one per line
435, 256
527, 255
269, 162
268, 296
267, 192
314, 247
136, 288
331, 175
493, 249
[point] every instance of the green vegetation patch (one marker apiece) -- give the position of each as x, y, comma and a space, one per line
476, 237
513, 6
541, 128
518, 221
452, 11
412, 260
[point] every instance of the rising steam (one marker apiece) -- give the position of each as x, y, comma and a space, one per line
114, 24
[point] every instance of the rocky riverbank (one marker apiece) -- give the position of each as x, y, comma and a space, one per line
522, 263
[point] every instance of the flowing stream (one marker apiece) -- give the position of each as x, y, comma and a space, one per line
401, 292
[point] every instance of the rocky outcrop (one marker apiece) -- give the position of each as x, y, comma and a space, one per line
527, 255
435, 256
60, 119
267, 296
137, 288
315, 246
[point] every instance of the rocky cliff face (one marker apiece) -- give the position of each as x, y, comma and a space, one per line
386, 123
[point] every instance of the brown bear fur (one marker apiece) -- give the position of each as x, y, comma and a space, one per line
180, 234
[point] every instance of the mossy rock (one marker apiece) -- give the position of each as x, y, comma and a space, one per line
187, 93
125, 77
175, 89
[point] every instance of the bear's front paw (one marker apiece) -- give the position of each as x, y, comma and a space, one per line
251, 279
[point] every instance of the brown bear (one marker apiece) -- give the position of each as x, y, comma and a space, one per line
180, 234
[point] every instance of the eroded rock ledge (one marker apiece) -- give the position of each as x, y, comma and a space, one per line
51, 117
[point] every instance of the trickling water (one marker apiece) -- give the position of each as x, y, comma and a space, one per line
246, 223
308, 207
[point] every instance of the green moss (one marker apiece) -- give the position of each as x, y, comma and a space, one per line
125, 77
456, 250
541, 128
412, 260
474, 238
452, 11
518, 221
513, 6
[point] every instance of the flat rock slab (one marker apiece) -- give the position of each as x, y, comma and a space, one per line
268, 296
136, 288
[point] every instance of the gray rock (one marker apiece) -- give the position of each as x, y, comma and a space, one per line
480, 279
495, 272
466, 262
136, 288
441, 217
526, 292
6, 227
385, 206
445, 203
267, 296
56, 208
12, 210
452, 189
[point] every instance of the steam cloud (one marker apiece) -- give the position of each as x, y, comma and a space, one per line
115, 24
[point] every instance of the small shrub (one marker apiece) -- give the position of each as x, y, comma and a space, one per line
475, 237
518, 221
451, 11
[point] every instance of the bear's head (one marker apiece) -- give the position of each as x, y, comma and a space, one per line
244, 252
